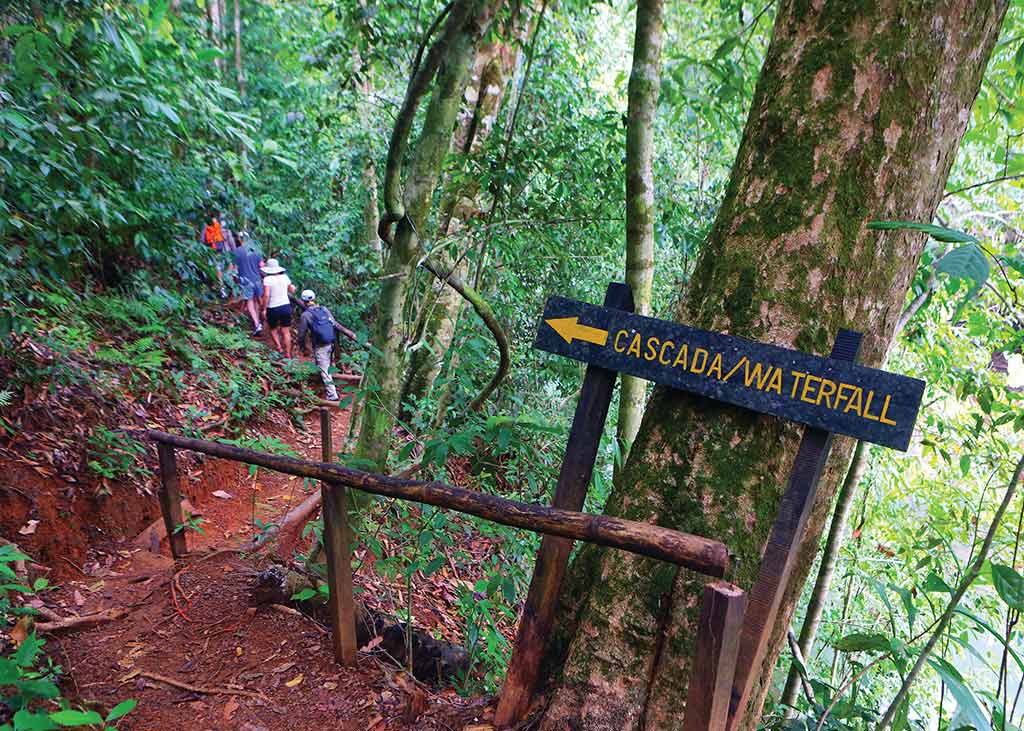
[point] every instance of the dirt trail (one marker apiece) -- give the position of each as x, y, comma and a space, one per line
236, 667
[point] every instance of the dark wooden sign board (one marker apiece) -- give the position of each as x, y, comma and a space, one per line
829, 395
836, 395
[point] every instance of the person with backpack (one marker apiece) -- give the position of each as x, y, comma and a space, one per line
318, 321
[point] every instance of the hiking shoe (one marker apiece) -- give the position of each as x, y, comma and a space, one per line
257, 332
223, 293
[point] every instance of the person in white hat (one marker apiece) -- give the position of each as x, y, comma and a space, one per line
277, 307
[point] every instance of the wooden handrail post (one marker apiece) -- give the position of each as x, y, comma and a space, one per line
170, 500
714, 658
338, 550
553, 556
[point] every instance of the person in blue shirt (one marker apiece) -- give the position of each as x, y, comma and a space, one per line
248, 260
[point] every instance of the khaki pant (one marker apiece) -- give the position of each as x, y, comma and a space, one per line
322, 356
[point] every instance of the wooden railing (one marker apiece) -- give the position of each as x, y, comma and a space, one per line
722, 610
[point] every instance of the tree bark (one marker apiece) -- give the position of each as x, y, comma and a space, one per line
239, 73
385, 366
216, 32
443, 307
857, 116
644, 87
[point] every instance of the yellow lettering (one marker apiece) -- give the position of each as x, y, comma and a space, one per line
827, 389
807, 386
855, 401
757, 375
634, 347
776, 382
867, 407
841, 394
661, 356
797, 377
618, 335
739, 364
681, 356
652, 348
694, 368
716, 367
885, 410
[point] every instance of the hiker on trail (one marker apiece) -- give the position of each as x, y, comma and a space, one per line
213, 236
248, 260
277, 307
318, 321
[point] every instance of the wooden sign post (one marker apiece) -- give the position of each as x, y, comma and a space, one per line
553, 557
829, 395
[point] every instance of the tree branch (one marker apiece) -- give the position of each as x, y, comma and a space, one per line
969, 578
483, 309
1000, 179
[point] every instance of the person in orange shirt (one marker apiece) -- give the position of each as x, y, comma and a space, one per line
213, 236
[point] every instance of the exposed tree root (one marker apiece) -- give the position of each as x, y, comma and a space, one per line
197, 688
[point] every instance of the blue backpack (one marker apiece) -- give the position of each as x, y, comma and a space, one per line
323, 328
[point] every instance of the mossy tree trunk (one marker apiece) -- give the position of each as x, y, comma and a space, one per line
443, 305
482, 100
644, 87
385, 367
857, 116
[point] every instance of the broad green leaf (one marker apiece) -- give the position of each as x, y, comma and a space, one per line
25, 720
934, 583
1009, 585
939, 233
863, 642
303, 595
966, 702
121, 709
71, 717
27, 652
133, 49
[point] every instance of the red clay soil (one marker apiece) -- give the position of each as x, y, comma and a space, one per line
194, 653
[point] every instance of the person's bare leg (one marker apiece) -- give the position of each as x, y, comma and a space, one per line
254, 312
278, 344
286, 335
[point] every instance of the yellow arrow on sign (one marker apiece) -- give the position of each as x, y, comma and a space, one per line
570, 329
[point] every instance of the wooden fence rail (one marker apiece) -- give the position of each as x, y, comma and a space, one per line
707, 700
699, 554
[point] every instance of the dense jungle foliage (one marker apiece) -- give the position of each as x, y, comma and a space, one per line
124, 123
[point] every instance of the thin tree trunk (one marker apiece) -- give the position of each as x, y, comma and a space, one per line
857, 115
642, 105
216, 32
954, 601
371, 212
833, 544
239, 73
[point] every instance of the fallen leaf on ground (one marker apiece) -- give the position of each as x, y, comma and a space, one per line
79, 599
20, 631
222, 494
229, 708
330, 686
295, 681
29, 528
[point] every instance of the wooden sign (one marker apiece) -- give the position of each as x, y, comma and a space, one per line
834, 395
